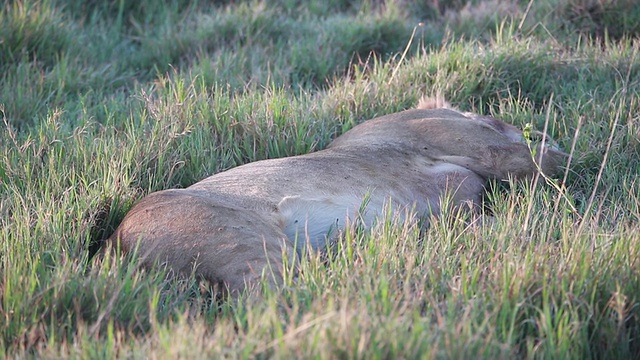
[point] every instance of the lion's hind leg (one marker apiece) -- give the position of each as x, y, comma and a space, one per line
190, 232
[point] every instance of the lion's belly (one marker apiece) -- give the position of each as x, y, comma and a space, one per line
313, 220
315, 206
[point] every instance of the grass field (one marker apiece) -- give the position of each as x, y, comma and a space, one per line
104, 102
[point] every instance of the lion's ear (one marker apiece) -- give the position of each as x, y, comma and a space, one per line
496, 161
513, 159
480, 165
509, 150
518, 160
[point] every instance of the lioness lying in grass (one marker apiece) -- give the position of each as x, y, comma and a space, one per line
234, 225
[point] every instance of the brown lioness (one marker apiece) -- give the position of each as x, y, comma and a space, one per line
232, 226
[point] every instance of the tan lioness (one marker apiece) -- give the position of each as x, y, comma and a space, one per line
234, 225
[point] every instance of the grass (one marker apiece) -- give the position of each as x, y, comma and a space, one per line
104, 102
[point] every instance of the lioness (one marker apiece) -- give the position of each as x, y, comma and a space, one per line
234, 225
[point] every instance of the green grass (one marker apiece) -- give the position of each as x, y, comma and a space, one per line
104, 102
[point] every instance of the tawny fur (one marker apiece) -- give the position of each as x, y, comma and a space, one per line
236, 225
433, 102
